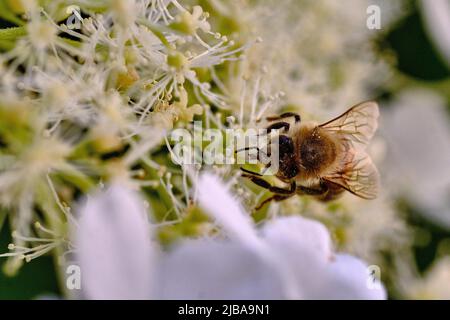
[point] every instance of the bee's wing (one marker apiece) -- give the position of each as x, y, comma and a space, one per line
358, 124
359, 176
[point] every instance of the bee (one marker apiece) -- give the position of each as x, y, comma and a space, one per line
324, 160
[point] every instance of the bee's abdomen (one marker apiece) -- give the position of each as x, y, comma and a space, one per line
317, 151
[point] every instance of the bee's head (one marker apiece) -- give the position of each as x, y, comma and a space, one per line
288, 167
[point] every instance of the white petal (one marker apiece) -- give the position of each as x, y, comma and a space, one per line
303, 247
294, 251
207, 269
348, 278
417, 133
113, 246
437, 22
298, 233
215, 198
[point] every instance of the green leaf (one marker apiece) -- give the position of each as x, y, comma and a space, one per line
6, 45
12, 34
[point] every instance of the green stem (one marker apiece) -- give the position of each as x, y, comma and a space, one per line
78, 179
157, 31
73, 43
162, 193
56, 222
3, 215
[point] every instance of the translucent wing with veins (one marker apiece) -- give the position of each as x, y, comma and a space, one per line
358, 124
357, 175
356, 127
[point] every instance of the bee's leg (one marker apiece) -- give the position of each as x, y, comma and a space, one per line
259, 155
257, 173
278, 125
276, 197
251, 172
321, 190
334, 191
284, 116
251, 148
266, 168
266, 185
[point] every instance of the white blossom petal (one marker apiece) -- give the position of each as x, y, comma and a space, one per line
113, 246
207, 269
215, 198
437, 22
417, 134
294, 253
347, 278
298, 233
304, 247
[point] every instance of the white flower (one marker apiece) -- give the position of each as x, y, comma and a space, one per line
437, 23
97, 93
113, 246
418, 155
290, 258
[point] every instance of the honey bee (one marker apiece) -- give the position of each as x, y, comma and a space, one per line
324, 160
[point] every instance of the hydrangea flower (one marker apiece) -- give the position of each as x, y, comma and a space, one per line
73, 95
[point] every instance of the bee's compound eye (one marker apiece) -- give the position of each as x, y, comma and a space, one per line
286, 145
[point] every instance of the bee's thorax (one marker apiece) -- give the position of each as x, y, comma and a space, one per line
315, 149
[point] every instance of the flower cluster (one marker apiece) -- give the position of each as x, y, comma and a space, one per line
85, 103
